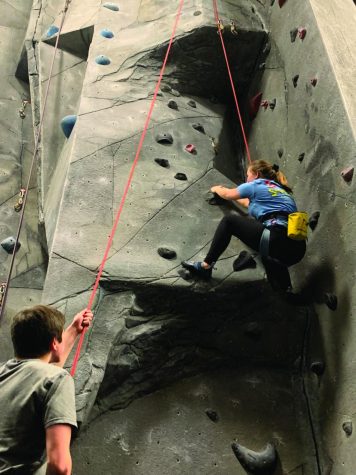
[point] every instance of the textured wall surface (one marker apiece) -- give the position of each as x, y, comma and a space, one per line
165, 349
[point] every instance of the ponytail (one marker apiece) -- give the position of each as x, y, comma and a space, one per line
270, 172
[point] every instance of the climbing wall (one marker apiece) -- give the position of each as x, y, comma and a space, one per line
175, 370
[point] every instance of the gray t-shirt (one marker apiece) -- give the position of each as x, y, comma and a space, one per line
33, 396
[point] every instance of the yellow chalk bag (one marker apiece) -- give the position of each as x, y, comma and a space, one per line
298, 226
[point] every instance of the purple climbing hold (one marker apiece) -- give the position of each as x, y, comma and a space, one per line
190, 148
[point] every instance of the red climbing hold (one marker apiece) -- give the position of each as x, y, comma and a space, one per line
264, 104
314, 81
254, 105
347, 174
302, 32
191, 148
281, 3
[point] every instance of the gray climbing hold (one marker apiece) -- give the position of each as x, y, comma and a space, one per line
163, 162
272, 104
257, 463
192, 103
199, 127
52, 30
347, 428
301, 157
313, 220
173, 105
9, 245
213, 415
67, 124
167, 253
317, 367
175, 93
136, 309
164, 138
107, 33
181, 176
102, 60
330, 301
293, 34
197, 13
280, 152
295, 80
111, 6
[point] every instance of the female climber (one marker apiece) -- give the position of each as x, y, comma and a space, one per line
269, 199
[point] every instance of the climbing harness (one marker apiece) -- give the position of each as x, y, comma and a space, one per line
220, 33
127, 186
19, 203
37, 142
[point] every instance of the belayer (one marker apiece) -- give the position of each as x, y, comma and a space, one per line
270, 203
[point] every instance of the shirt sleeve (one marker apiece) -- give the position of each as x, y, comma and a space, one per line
60, 402
246, 190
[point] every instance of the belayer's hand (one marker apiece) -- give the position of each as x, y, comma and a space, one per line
82, 320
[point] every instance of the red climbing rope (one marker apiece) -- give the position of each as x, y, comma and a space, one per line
127, 186
37, 142
219, 24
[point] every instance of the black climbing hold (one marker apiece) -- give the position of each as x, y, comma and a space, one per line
174, 92
272, 104
199, 127
163, 162
347, 428
213, 415
280, 152
293, 34
181, 176
313, 220
301, 157
347, 174
164, 138
244, 261
173, 105
192, 103
295, 80
261, 66
272, 2
214, 199
197, 13
253, 330
166, 253
330, 301
256, 463
111, 6
317, 367
191, 148
9, 245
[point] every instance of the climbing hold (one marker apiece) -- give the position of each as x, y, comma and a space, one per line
266, 48
214, 199
295, 80
317, 367
136, 309
272, 104
185, 274
9, 245
261, 66
314, 81
281, 3
253, 330
347, 428
112, 6
173, 105
181, 176
67, 124
213, 415
102, 60
166, 88
330, 301
52, 30
347, 174
192, 103
293, 34
198, 127
244, 261
302, 32
265, 104
19, 203
163, 162
272, 3
107, 33
215, 145
301, 157
175, 93
164, 138
191, 148
197, 13
166, 253
254, 105
280, 152
313, 220
256, 463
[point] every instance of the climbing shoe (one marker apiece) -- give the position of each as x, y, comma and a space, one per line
196, 269
244, 261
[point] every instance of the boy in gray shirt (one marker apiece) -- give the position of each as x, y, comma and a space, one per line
37, 395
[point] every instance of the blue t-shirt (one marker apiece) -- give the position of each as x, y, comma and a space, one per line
267, 196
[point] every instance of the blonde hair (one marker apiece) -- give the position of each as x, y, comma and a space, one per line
270, 172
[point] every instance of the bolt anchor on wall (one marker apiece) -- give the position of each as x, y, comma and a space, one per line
19, 203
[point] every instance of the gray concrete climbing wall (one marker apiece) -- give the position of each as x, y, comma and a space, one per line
175, 370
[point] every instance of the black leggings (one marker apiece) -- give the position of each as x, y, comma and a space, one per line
283, 251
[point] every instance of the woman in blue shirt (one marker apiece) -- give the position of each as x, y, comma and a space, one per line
269, 199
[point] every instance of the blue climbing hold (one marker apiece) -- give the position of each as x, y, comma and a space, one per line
102, 59
52, 30
112, 6
67, 124
107, 33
